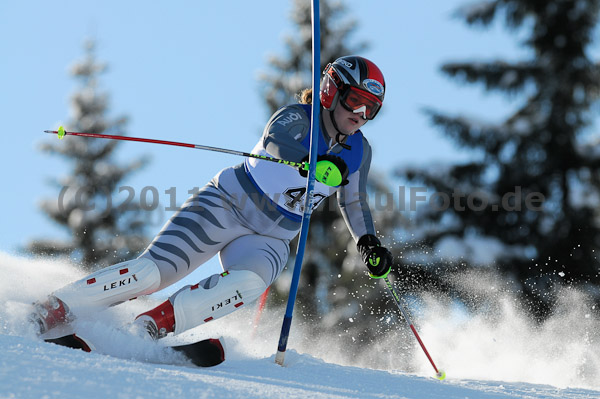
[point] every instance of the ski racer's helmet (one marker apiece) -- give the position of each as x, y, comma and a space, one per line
356, 83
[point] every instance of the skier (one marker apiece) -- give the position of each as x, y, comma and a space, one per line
247, 214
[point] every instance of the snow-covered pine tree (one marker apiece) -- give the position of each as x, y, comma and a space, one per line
104, 229
545, 147
335, 293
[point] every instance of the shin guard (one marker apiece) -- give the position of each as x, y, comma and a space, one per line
215, 297
111, 286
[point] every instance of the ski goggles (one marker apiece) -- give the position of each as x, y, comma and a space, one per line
360, 102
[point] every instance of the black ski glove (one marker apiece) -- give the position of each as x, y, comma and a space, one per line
378, 259
331, 170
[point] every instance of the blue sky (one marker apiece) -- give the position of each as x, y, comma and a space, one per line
187, 71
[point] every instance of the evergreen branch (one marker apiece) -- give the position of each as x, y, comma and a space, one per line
482, 12
495, 75
468, 133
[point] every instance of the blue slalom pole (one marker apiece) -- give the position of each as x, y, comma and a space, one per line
313, 152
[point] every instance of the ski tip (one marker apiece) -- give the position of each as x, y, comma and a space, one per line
219, 345
72, 341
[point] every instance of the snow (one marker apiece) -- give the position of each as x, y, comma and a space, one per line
541, 364
31, 369
477, 250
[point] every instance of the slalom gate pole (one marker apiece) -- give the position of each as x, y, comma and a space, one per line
440, 374
316, 108
61, 132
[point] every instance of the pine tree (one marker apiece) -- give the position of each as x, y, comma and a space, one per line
292, 74
102, 231
335, 294
538, 152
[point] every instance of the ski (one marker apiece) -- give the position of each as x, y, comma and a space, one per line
204, 353
71, 341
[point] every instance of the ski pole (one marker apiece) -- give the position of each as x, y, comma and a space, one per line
61, 132
259, 310
440, 374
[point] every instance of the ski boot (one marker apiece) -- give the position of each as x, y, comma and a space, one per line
49, 314
159, 321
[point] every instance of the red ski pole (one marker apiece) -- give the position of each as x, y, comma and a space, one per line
440, 374
61, 132
261, 306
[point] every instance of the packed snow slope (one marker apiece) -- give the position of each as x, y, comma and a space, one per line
507, 360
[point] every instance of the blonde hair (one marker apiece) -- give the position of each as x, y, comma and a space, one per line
305, 96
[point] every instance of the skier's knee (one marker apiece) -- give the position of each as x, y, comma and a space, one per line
214, 297
111, 285
266, 274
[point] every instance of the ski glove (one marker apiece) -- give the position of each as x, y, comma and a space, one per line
378, 259
331, 170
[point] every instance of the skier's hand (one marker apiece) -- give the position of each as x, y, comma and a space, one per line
331, 170
378, 259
